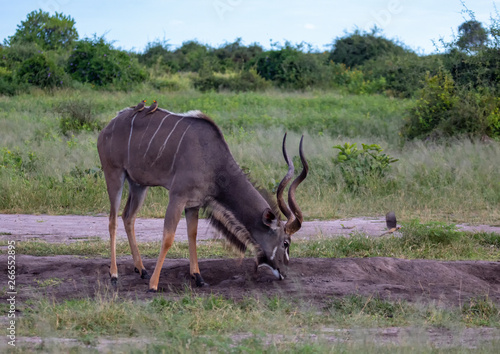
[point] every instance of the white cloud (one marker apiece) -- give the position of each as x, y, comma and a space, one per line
309, 26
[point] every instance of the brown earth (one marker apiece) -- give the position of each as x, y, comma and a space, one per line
318, 280
310, 279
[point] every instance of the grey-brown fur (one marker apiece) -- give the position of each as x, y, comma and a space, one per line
187, 154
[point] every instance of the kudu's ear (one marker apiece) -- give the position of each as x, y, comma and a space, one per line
269, 219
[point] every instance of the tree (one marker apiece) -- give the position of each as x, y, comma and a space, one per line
48, 32
359, 47
472, 36
96, 61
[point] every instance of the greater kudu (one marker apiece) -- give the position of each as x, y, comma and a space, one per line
187, 154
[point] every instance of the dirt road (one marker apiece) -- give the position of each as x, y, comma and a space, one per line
70, 228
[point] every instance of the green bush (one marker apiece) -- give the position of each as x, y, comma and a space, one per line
289, 67
78, 115
359, 167
241, 82
40, 71
357, 48
433, 106
445, 110
95, 61
480, 311
404, 74
7, 84
15, 159
355, 80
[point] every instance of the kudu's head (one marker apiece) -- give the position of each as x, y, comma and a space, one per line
274, 237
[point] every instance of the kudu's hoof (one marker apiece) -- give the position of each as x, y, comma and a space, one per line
144, 273
200, 283
152, 291
114, 281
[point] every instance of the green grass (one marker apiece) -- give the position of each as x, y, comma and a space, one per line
192, 323
43, 170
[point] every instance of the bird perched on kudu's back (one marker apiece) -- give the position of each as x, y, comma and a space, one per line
152, 108
139, 107
391, 222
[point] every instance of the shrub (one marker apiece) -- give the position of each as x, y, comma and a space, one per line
243, 81
289, 67
7, 84
433, 106
444, 110
480, 311
78, 115
174, 82
404, 74
40, 71
354, 80
359, 47
95, 61
19, 161
359, 167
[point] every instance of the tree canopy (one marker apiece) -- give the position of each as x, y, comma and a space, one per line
46, 31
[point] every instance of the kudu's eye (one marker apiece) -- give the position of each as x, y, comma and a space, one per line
286, 244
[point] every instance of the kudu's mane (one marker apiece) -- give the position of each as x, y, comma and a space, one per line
226, 222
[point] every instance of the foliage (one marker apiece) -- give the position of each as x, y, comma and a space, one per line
192, 56
186, 321
480, 311
78, 115
8, 86
471, 36
443, 110
431, 234
357, 48
95, 61
359, 167
453, 181
17, 160
289, 67
243, 81
236, 56
434, 104
46, 31
403, 74
40, 71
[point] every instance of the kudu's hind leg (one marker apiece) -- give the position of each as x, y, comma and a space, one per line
192, 230
136, 196
172, 217
114, 182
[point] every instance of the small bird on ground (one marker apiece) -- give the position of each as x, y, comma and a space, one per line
152, 108
139, 107
391, 222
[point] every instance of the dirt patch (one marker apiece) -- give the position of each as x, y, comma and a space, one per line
315, 279
311, 279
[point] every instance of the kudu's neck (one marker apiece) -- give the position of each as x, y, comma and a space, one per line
240, 197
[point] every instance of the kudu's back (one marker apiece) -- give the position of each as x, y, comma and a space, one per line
176, 151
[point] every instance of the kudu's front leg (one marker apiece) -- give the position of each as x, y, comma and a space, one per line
192, 230
172, 217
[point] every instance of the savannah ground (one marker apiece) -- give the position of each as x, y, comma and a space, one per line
344, 293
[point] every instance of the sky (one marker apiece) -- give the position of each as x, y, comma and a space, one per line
132, 24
